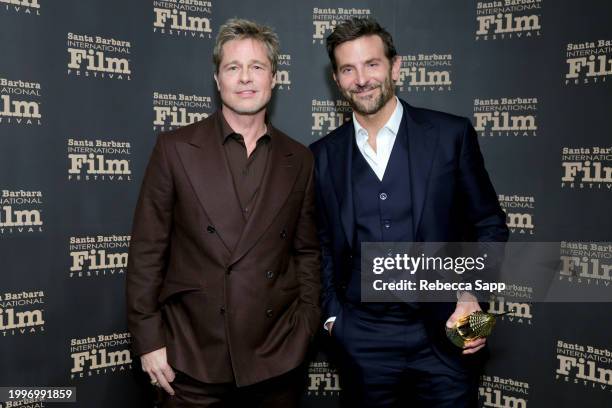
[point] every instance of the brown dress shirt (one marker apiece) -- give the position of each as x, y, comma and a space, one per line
247, 171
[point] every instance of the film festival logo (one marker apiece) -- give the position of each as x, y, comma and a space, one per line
585, 263
100, 255
283, 72
182, 18
587, 168
586, 365
323, 380
508, 19
509, 301
499, 392
425, 73
506, 117
20, 102
99, 160
172, 111
588, 62
103, 354
328, 115
324, 20
20, 212
519, 213
98, 57
31, 7
22, 313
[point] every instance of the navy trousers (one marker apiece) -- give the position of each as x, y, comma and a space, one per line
386, 361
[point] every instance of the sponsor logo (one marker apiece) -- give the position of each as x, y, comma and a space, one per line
506, 116
425, 73
100, 255
20, 102
172, 111
31, 7
501, 392
182, 18
323, 380
587, 167
20, 211
98, 160
328, 115
324, 20
519, 213
99, 355
98, 57
588, 62
586, 365
586, 263
22, 313
508, 19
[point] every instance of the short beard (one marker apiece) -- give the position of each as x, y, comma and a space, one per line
386, 93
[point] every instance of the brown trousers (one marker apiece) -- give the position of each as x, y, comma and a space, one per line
284, 391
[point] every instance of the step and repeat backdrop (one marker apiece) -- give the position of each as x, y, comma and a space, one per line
85, 87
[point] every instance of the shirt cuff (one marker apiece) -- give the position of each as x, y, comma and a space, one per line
330, 320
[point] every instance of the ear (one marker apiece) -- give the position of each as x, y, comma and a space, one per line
273, 80
217, 82
396, 64
335, 78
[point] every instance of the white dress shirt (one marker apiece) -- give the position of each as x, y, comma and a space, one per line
385, 139
378, 160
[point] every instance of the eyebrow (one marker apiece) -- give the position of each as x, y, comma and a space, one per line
376, 59
235, 62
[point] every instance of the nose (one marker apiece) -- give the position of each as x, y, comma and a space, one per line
245, 75
361, 77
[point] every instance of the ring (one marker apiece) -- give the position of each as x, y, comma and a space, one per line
154, 383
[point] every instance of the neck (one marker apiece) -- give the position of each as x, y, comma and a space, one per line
251, 127
374, 122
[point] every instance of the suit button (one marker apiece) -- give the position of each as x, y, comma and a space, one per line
269, 274
283, 234
383, 196
343, 287
228, 271
269, 312
211, 229
222, 310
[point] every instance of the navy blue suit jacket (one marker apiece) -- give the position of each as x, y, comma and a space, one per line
453, 199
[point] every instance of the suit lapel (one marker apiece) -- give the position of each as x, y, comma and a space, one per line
278, 180
206, 167
422, 143
340, 160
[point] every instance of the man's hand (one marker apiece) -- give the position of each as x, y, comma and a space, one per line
466, 305
156, 365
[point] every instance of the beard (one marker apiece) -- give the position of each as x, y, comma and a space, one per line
373, 105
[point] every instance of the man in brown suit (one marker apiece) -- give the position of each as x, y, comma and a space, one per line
223, 275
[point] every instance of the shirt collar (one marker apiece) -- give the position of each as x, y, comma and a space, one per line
392, 124
227, 131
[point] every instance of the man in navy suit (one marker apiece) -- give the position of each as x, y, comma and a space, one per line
396, 173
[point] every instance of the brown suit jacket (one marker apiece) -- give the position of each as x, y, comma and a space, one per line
231, 302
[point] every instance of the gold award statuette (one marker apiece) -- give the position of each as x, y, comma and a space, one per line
471, 327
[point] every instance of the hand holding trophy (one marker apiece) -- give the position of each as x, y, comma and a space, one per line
476, 325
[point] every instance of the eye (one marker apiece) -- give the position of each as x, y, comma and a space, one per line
373, 64
347, 70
